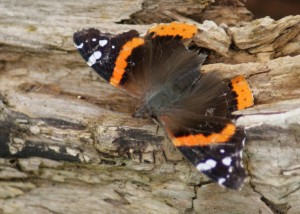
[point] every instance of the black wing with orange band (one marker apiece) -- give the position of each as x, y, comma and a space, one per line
205, 133
120, 58
217, 152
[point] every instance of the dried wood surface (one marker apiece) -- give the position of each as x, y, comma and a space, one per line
68, 143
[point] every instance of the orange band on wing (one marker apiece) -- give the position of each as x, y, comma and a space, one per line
202, 140
121, 62
244, 95
186, 31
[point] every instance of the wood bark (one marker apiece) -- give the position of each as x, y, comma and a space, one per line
68, 143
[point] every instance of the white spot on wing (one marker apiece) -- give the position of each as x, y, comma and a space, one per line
221, 181
209, 164
203, 167
79, 46
94, 39
113, 47
227, 161
93, 58
102, 42
97, 54
222, 151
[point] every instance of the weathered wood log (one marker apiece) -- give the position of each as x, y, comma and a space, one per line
68, 143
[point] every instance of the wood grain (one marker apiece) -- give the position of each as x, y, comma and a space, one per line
68, 143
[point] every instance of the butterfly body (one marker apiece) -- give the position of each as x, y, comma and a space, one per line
164, 75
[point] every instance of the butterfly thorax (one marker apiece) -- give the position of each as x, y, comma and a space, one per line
158, 102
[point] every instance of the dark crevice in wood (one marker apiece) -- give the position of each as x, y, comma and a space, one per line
276, 208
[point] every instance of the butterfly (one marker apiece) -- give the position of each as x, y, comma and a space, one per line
194, 108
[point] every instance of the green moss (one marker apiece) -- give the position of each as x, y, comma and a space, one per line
31, 28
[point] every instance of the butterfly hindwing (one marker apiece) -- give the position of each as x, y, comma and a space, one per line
199, 126
221, 162
243, 97
214, 146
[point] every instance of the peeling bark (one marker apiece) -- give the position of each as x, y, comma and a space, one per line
68, 143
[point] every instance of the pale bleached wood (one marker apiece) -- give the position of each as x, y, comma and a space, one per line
68, 141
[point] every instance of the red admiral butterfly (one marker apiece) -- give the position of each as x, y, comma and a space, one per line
194, 108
